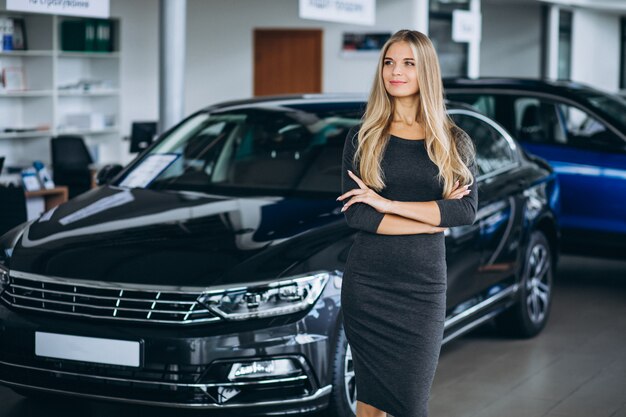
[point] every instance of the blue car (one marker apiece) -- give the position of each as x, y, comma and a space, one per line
581, 132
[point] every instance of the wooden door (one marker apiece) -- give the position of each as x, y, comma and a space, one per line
287, 61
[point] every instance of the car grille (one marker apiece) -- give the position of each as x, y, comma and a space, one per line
104, 301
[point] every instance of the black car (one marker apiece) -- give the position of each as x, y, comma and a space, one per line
581, 132
207, 273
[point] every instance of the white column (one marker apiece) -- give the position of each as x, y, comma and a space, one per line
173, 26
419, 16
552, 43
473, 48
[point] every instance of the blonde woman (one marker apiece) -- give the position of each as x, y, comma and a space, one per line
408, 174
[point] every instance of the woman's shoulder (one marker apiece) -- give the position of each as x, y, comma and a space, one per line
459, 134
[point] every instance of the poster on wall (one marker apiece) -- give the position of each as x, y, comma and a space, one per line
360, 12
357, 45
83, 8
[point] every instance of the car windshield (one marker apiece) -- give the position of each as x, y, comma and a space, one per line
612, 106
269, 150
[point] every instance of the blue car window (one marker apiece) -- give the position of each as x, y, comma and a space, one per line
537, 121
585, 131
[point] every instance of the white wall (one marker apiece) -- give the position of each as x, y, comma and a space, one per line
596, 48
511, 39
220, 41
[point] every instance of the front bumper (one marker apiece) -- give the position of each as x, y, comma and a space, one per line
183, 368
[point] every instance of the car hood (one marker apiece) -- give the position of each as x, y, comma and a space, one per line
173, 238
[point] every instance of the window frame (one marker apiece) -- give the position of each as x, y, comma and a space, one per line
515, 151
565, 30
622, 60
447, 17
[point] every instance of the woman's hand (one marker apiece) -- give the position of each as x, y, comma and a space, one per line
364, 194
437, 229
458, 191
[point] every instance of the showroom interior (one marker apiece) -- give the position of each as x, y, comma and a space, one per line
96, 97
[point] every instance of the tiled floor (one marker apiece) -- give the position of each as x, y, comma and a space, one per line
575, 368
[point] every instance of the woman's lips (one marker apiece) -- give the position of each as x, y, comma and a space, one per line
397, 82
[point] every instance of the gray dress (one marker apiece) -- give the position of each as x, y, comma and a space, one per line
393, 296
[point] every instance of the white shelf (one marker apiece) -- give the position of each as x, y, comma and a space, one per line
98, 55
26, 93
63, 93
45, 68
105, 131
35, 134
26, 53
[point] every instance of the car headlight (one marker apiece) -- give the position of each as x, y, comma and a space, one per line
265, 299
4, 278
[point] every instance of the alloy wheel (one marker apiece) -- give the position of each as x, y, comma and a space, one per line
349, 379
538, 283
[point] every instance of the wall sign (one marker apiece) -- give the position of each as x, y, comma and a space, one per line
85, 8
466, 26
363, 44
361, 12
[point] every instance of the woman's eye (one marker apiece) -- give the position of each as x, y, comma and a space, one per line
410, 64
387, 62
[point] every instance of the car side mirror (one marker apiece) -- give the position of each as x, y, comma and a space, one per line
107, 173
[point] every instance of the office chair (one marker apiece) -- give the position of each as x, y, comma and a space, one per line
12, 208
70, 163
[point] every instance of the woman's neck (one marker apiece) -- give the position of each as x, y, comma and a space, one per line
406, 110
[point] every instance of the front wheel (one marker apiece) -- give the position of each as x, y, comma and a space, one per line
343, 398
529, 315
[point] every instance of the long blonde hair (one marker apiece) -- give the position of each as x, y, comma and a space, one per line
447, 145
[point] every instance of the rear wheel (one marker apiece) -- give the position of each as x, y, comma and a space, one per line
343, 398
529, 315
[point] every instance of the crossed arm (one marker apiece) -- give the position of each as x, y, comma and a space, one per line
368, 211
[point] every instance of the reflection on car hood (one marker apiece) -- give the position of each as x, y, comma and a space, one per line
172, 238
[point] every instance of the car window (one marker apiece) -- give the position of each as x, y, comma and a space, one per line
537, 121
493, 151
484, 103
273, 150
611, 106
585, 131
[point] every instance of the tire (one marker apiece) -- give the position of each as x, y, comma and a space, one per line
343, 397
529, 315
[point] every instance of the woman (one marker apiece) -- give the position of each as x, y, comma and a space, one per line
408, 172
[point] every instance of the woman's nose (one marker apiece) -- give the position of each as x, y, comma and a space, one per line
396, 70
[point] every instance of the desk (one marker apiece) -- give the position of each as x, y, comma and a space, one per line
51, 198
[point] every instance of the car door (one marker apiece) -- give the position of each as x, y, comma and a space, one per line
615, 188
585, 155
498, 224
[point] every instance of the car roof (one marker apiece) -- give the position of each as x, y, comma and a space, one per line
321, 98
559, 87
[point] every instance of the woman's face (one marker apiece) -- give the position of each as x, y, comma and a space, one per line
399, 73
